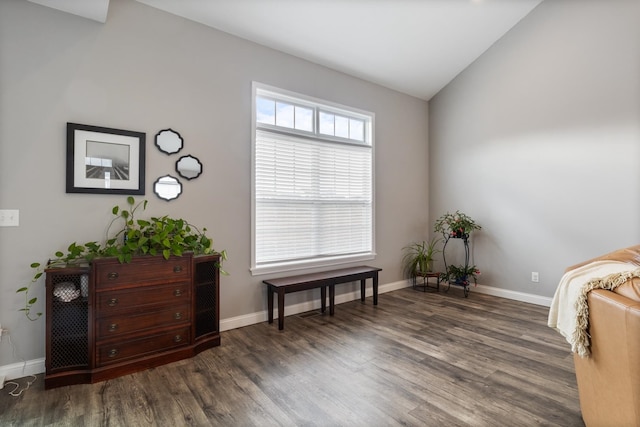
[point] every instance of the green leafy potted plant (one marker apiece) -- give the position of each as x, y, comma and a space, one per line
418, 257
457, 224
164, 236
461, 275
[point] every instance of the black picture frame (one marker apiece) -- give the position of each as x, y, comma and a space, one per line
104, 160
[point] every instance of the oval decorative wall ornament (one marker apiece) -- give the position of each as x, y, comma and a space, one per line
189, 167
169, 141
167, 187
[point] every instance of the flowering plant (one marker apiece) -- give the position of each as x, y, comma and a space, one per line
455, 224
462, 275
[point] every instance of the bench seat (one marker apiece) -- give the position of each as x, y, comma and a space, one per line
322, 280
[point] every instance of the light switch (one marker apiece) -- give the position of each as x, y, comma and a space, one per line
9, 218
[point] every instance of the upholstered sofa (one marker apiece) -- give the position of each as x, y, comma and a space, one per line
609, 378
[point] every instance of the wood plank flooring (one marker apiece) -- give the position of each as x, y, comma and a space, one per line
417, 359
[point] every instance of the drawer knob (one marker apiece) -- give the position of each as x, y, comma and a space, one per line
112, 276
177, 316
177, 269
177, 338
113, 352
113, 302
177, 292
113, 327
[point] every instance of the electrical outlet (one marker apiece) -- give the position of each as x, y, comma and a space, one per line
535, 277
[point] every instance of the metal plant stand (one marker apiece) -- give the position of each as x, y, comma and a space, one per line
465, 239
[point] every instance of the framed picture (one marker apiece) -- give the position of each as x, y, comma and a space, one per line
104, 160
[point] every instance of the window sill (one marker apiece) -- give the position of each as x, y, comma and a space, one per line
309, 264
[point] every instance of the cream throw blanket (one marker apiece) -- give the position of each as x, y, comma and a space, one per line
569, 313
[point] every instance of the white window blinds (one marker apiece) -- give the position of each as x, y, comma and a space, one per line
313, 198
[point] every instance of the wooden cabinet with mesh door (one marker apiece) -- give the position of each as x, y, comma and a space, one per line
111, 319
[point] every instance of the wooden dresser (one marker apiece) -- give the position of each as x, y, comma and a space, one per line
112, 319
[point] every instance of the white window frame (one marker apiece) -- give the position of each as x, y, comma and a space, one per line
260, 89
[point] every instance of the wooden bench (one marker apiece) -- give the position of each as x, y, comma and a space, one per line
322, 280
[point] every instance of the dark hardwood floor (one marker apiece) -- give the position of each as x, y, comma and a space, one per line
417, 359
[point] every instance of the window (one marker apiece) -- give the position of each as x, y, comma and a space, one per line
312, 194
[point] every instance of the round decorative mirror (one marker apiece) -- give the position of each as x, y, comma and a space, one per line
167, 187
189, 167
169, 141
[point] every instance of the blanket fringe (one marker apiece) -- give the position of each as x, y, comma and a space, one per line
580, 337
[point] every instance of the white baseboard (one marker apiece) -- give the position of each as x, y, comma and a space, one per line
36, 366
262, 316
22, 369
514, 295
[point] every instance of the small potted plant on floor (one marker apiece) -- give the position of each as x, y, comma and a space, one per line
418, 258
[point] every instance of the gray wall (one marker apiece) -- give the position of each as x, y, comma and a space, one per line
539, 141
146, 70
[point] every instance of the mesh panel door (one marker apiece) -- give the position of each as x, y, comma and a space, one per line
206, 281
68, 319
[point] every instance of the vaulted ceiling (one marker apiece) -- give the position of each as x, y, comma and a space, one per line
413, 46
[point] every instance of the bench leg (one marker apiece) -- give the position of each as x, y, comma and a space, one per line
280, 309
323, 298
270, 303
375, 288
332, 299
363, 288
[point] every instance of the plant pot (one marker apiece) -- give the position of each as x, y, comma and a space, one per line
462, 280
459, 234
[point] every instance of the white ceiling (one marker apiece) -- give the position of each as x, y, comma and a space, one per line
413, 46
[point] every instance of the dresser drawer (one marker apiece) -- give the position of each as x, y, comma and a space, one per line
114, 326
141, 271
109, 302
122, 350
